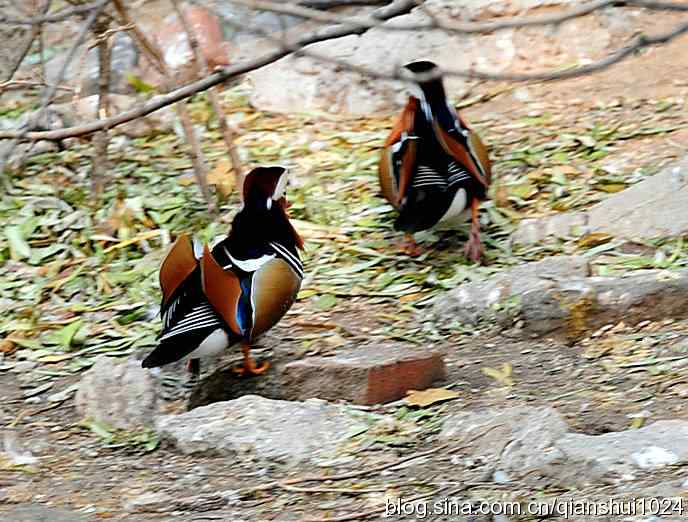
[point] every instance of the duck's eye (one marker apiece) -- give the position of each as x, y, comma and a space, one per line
269, 203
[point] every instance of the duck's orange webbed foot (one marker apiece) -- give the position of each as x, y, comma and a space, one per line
410, 247
249, 368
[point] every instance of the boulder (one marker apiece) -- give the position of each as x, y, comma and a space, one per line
297, 84
649, 209
535, 442
118, 393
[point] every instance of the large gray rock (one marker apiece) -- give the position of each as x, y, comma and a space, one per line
536, 442
297, 84
664, 443
499, 297
650, 209
569, 306
268, 429
118, 393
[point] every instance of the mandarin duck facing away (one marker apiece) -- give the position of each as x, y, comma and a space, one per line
434, 170
235, 292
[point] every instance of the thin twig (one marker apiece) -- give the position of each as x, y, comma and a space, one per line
36, 34
200, 67
155, 56
100, 139
340, 476
22, 84
360, 515
353, 491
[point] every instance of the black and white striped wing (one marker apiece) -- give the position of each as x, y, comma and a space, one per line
187, 321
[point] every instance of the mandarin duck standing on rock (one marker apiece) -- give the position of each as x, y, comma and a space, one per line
434, 169
235, 292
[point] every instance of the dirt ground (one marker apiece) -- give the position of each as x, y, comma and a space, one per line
601, 384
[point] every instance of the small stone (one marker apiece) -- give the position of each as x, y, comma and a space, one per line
367, 375
118, 393
501, 477
148, 503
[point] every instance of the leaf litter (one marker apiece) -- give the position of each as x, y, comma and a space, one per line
78, 278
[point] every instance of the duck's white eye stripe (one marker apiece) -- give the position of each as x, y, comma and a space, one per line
269, 203
281, 187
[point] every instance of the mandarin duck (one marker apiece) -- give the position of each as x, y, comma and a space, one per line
434, 169
239, 289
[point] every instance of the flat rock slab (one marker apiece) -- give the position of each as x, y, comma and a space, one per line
664, 443
562, 301
38, 513
498, 297
650, 209
281, 431
367, 375
530, 441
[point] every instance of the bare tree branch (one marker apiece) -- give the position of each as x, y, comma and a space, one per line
155, 56
457, 27
357, 26
635, 45
11, 85
59, 16
200, 66
396, 8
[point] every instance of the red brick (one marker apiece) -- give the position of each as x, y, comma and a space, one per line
366, 375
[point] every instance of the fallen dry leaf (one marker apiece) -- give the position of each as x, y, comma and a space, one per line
430, 396
502, 375
221, 176
7, 346
594, 239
